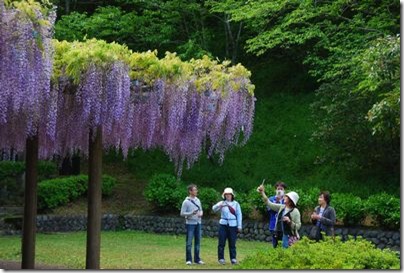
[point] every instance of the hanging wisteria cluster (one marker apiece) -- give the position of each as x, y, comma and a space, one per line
141, 101
191, 106
26, 54
92, 85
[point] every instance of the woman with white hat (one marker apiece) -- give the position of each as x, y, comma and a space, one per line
230, 223
288, 221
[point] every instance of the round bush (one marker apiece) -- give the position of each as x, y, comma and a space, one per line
108, 183
245, 204
59, 191
56, 192
208, 197
164, 192
308, 199
385, 209
11, 169
348, 208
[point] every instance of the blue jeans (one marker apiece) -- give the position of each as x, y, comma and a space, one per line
230, 233
285, 241
285, 238
193, 231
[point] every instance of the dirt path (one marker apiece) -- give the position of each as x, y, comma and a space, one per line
13, 265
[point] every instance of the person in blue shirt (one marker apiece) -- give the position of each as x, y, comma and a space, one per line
278, 199
230, 224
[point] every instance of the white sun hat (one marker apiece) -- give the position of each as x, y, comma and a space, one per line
293, 196
227, 190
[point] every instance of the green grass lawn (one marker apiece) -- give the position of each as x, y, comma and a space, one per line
124, 250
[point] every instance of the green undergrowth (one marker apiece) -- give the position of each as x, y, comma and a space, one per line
328, 254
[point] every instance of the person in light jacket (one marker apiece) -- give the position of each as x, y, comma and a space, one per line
191, 209
288, 220
324, 215
230, 224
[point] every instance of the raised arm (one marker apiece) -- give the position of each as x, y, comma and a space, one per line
271, 205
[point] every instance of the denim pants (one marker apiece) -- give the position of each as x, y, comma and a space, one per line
285, 237
230, 233
285, 241
193, 231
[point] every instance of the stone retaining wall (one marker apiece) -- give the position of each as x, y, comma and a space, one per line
175, 225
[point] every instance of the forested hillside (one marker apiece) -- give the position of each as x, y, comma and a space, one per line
326, 75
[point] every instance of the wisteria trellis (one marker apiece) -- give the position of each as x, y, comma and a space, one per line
168, 104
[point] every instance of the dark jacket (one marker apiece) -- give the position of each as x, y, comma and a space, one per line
327, 220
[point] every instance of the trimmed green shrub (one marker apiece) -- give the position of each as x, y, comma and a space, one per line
11, 168
245, 203
327, 254
46, 169
179, 195
307, 198
348, 208
165, 192
11, 189
55, 192
256, 202
108, 184
208, 197
385, 209
59, 191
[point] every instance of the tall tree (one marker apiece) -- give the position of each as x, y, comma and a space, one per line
232, 29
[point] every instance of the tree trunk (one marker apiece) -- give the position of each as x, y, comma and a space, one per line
94, 200
30, 204
67, 7
235, 48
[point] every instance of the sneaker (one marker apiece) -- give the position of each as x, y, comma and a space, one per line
188, 263
233, 261
200, 262
222, 261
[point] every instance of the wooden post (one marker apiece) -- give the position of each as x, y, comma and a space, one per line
94, 200
30, 204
